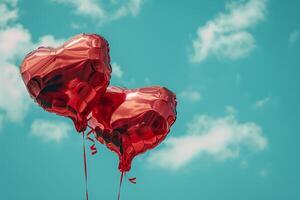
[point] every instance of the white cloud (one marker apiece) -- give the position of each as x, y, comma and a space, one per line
14, 100
226, 36
85, 7
191, 95
15, 42
49, 40
262, 102
220, 138
103, 13
116, 70
11, 2
54, 131
294, 36
8, 12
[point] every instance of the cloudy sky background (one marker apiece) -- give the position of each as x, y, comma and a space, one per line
234, 66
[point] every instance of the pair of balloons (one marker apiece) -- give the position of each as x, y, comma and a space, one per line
72, 81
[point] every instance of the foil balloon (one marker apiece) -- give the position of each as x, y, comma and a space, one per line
70, 79
132, 121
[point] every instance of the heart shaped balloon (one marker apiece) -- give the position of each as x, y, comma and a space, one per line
70, 79
132, 121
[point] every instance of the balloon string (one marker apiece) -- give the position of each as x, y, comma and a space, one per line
121, 179
85, 168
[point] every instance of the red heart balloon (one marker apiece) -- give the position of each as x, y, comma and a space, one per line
70, 79
130, 122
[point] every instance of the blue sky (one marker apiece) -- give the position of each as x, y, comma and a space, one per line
234, 66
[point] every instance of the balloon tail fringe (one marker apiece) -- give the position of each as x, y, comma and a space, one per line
85, 168
121, 179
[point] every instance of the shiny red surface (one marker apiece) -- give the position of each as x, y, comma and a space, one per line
132, 121
70, 79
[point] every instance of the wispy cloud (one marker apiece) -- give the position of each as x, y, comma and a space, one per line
49, 41
104, 12
50, 131
230, 110
116, 70
227, 35
219, 138
263, 172
15, 42
75, 25
8, 12
191, 95
244, 164
294, 36
262, 102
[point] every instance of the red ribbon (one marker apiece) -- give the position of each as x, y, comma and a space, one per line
93, 146
132, 180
